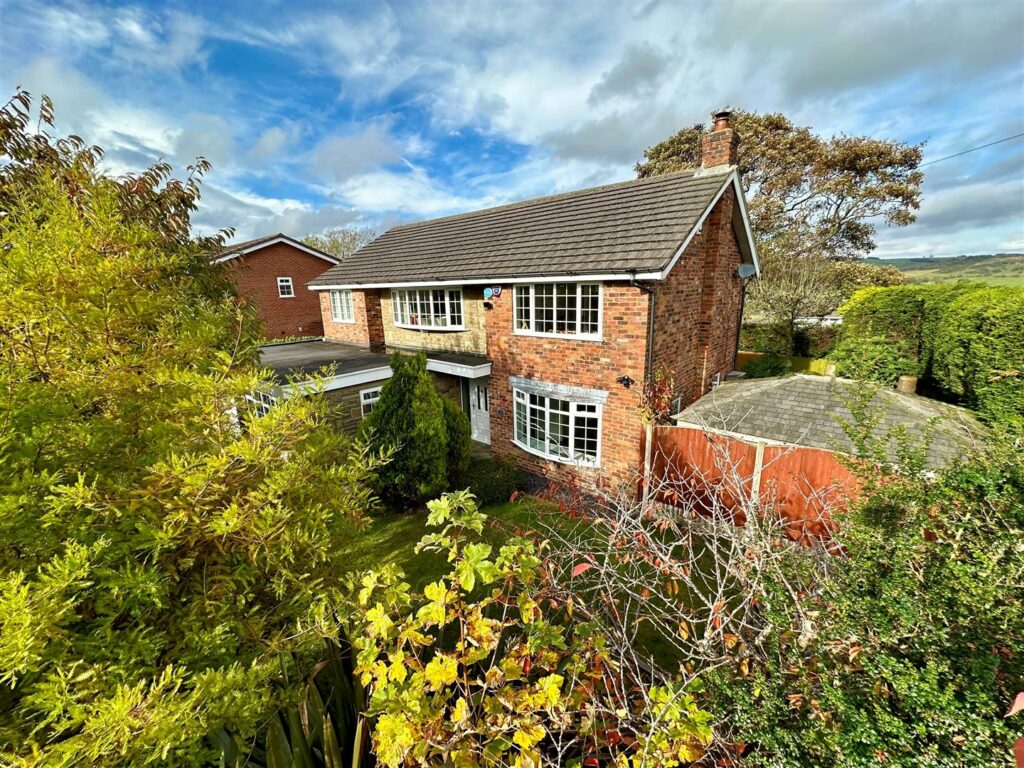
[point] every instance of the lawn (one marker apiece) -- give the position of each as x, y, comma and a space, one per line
391, 537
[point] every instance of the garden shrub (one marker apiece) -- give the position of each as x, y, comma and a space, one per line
491, 666
159, 565
876, 359
814, 340
409, 420
765, 367
964, 339
459, 434
492, 481
772, 339
978, 352
908, 654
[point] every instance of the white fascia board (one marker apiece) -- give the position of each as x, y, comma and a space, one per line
457, 369
275, 241
733, 179
599, 278
339, 382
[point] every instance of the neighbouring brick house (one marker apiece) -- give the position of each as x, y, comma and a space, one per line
273, 274
544, 318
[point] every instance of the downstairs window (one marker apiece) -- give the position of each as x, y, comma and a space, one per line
558, 429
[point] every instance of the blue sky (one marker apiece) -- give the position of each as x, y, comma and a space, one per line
320, 114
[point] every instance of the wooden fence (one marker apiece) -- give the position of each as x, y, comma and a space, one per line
804, 485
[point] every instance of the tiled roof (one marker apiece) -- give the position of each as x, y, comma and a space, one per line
616, 229
805, 410
232, 250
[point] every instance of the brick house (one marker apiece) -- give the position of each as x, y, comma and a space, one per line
544, 318
273, 274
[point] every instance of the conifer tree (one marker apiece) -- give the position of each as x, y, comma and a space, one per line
409, 419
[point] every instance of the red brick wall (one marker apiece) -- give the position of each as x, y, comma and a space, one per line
368, 328
697, 307
255, 275
591, 364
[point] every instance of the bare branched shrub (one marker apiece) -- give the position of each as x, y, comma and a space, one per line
680, 576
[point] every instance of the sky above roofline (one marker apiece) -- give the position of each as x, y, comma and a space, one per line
323, 114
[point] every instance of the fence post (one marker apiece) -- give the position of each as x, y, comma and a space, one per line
755, 482
648, 440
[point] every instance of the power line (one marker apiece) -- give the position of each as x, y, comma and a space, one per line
972, 149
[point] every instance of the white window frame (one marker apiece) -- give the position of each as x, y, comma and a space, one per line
407, 303
261, 402
371, 401
576, 410
342, 309
530, 289
281, 283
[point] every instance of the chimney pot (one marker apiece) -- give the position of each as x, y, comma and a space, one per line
721, 119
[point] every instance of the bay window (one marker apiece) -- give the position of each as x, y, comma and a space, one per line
341, 307
557, 428
558, 309
421, 308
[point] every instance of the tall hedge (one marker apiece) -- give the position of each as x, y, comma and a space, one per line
964, 339
409, 418
978, 352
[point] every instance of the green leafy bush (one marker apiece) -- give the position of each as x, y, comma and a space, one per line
768, 338
409, 419
327, 728
157, 561
765, 367
906, 655
460, 440
875, 359
965, 340
491, 667
492, 481
978, 352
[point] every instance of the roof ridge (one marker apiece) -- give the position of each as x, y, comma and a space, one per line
546, 198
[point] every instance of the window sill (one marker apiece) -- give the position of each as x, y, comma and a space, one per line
588, 464
344, 322
564, 336
432, 328
285, 297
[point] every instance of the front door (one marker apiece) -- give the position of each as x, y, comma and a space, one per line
479, 411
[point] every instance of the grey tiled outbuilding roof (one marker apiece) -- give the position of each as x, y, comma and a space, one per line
615, 229
805, 410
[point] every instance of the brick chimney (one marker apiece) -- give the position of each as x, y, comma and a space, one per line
719, 145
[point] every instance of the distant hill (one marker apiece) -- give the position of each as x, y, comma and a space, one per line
994, 269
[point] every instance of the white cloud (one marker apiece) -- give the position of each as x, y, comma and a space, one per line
336, 158
413, 193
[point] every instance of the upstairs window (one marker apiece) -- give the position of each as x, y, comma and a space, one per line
341, 307
558, 309
428, 309
285, 288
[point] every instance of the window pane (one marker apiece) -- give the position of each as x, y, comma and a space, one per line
565, 307
520, 419
558, 428
544, 313
537, 422
585, 435
455, 307
589, 301
438, 308
523, 307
